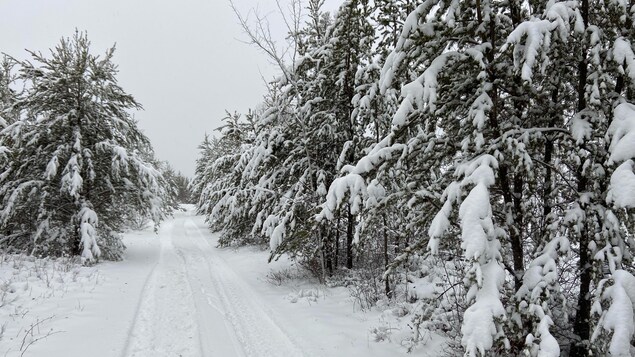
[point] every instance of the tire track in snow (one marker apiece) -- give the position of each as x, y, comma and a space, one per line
193, 304
215, 333
256, 332
165, 324
146, 285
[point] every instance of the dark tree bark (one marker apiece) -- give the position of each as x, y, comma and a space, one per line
349, 239
581, 326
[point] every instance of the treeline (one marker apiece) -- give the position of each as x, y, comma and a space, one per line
476, 156
75, 170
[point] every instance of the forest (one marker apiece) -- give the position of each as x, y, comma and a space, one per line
473, 161
473, 158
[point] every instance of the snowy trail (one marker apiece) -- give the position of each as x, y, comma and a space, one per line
177, 294
193, 304
165, 324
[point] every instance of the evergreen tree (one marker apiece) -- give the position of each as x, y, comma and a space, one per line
483, 146
504, 124
79, 163
223, 197
8, 96
182, 183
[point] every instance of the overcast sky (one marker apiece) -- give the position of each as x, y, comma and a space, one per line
182, 59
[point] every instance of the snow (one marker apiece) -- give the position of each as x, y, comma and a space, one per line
581, 129
5, 213
622, 148
72, 180
538, 280
479, 109
619, 317
548, 346
451, 13
481, 247
410, 27
352, 185
175, 294
409, 92
51, 168
441, 221
278, 232
429, 82
479, 328
382, 152
473, 213
537, 34
622, 188
622, 132
376, 192
624, 56
87, 227
36, 298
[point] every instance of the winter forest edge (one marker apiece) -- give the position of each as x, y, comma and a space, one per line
472, 162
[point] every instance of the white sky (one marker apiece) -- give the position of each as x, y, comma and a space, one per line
181, 59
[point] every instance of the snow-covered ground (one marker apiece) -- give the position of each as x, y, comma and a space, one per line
176, 294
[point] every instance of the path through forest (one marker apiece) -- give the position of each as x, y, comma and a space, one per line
193, 304
177, 294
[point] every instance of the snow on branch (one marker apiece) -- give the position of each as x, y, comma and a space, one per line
623, 55
619, 318
537, 34
622, 148
423, 90
475, 212
119, 156
540, 278
274, 228
51, 168
352, 185
622, 187
380, 154
22, 189
581, 129
481, 247
410, 27
486, 275
441, 221
622, 131
72, 180
87, 226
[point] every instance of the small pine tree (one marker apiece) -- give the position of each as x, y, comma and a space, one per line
79, 163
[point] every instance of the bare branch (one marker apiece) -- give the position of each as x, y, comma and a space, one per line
259, 34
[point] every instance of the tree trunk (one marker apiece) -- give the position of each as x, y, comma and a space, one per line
581, 325
336, 254
349, 240
547, 187
328, 251
386, 260
322, 248
512, 195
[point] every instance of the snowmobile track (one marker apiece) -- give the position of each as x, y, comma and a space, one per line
193, 304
